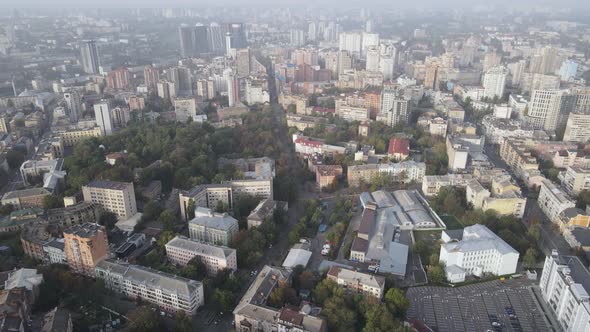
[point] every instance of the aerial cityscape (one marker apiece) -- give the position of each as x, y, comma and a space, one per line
274, 166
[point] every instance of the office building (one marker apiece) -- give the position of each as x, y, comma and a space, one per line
85, 245
116, 197
478, 251
89, 56
549, 109
181, 250
212, 227
565, 285
358, 282
103, 118
169, 292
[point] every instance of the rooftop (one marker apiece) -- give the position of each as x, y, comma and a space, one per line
206, 217
477, 238
201, 248
399, 145
85, 230
106, 184
355, 276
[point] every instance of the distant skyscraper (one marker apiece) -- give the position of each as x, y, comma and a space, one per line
187, 40
151, 77
369, 26
312, 31
369, 40
351, 42
372, 59
344, 62
228, 44
243, 62
238, 34
297, 37
103, 118
215, 37
119, 79
90, 57
74, 104
201, 39
232, 87
185, 81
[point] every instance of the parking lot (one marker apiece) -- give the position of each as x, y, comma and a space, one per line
490, 306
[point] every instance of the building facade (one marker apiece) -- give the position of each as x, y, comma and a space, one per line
85, 245
116, 197
180, 250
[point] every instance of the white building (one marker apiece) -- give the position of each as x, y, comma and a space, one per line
433, 183
54, 251
577, 128
565, 284
180, 250
103, 118
479, 251
170, 292
116, 197
351, 42
494, 81
394, 108
496, 129
211, 227
553, 201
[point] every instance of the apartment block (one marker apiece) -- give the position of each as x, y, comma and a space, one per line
574, 180
517, 155
577, 128
116, 197
432, 184
553, 201
85, 245
169, 292
180, 250
358, 282
72, 136
406, 171
211, 227
564, 287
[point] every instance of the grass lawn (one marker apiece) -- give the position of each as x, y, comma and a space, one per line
451, 222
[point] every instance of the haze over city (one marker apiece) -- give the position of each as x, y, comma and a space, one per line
301, 166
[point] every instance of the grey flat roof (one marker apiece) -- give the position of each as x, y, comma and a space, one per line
200, 247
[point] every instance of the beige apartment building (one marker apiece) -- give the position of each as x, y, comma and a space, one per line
517, 155
85, 245
116, 197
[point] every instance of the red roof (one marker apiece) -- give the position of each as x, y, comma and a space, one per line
399, 145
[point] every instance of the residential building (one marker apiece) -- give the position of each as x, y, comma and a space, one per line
169, 292
565, 287
90, 57
185, 108
103, 118
352, 113
399, 148
496, 129
395, 108
25, 198
572, 218
55, 252
405, 171
310, 146
212, 227
74, 104
85, 245
515, 153
253, 314
252, 168
494, 81
577, 128
151, 76
116, 197
265, 210
438, 127
553, 201
33, 238
358, 282
327, 176
432, 184
549, 109
181, 250
72, 136
119, 79
83, 212
575, 179
479, 251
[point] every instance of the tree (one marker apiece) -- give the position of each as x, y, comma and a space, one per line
143, 319
224, 299
152, 210
52, 202
14, 159
339, 314
183, 323
6, 209
397, 303
165, 237
436, 274
108, 219
583, 199
530, 258
168, 219
378, 319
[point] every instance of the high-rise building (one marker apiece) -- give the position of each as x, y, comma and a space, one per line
387, 67
549, 109
233, 89
577, 128
312, 34
90, 58
352, 43
243, 62
344, 62
215, 37
568, 70
201, 39
184, 79
151, 77
238, 34
297, 37
494, 81
85, 245
74, 104
103, 118
432, 76
185, 108
229, 44
491, 60
395, 109
116, 197
119, 79
372, 63
187, 40
368, 40
166, 90
549, 60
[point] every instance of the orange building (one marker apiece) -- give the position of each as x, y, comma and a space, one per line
373, 103
327, 175
85, 245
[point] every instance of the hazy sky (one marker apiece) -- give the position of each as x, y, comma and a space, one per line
281, 3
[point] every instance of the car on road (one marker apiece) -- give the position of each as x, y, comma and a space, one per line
323, 228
